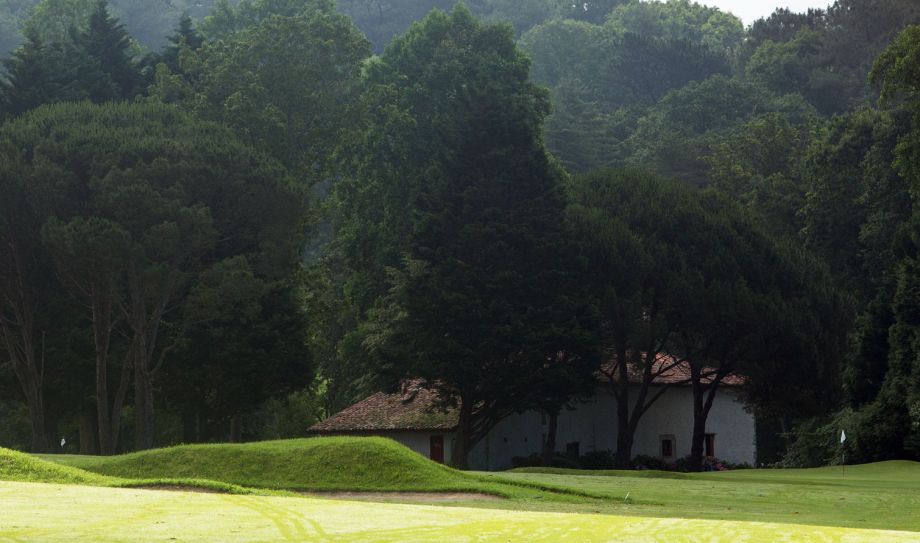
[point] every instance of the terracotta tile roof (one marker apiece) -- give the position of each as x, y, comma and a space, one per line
414, 407
669, 370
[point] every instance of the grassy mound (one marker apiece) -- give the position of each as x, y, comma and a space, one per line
26, 468
318, 464
325, 464
17, 466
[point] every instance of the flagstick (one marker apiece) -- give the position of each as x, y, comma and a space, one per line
843, 453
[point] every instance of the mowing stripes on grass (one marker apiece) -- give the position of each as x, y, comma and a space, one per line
74, 513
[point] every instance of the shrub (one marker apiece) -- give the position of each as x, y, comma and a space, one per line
605, 459
644, 462
536, 460
873, 433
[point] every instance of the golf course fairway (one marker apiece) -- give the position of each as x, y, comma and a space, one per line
56, 512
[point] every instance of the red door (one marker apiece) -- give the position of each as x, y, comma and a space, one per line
436, 448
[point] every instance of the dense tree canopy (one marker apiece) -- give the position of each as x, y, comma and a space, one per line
156, 222
479, 209
162, 237
684, 274
285, 83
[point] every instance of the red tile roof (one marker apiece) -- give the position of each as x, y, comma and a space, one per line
667, 370
414, 407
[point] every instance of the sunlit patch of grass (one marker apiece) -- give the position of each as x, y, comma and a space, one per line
52, 513
883, 496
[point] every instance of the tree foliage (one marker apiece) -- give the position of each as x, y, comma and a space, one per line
480, 209
285, 83
156, 221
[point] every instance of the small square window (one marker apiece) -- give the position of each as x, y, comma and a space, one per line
573, 449
667, 446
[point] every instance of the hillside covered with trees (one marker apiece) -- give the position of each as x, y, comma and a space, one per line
225, 221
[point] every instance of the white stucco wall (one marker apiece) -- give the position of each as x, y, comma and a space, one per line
420, 442
593, 425
672, 414
517, 435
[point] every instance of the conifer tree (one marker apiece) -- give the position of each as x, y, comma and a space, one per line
37, 73
107, 44
186, 35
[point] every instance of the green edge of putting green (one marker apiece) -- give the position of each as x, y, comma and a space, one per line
106, 515
326, 464
884, 495
893, 471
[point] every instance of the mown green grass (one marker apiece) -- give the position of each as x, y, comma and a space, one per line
21, 467
17, 466
325, 464
885, 495
370, 464
878, 496
59, 513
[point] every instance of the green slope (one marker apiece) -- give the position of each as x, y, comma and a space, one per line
315, 464
335, 463
17, 466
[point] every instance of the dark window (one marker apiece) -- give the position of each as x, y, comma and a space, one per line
572, 450
710, 445
667, 447
436, 448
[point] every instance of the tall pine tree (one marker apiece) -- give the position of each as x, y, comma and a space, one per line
38, 73
108, 45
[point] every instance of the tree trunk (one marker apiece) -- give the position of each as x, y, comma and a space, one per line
625, 437
29, 370
236, 429
17, 326
549, 445
191, 431
37, 420
30, 382
88, 434
460, 450
703, 398
623, 457
102, 330
119, 402
143, 393
699, 428
143, 404
145, 320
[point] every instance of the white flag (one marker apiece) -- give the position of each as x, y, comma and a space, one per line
843, 437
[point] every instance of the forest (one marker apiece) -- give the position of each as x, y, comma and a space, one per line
226, 221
